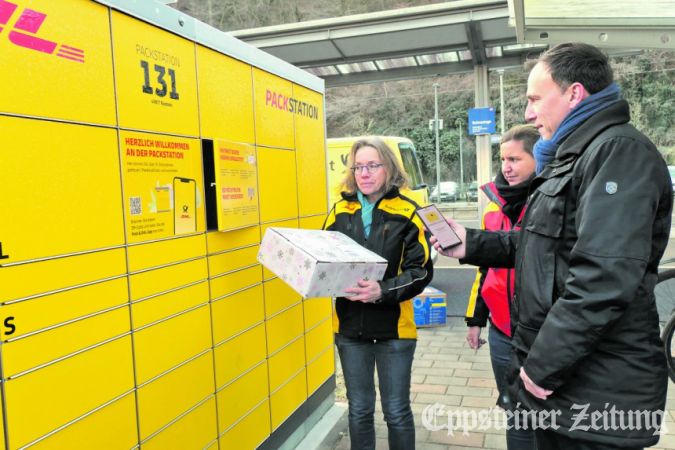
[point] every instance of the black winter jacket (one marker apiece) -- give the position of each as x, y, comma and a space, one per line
584, 319
396, 234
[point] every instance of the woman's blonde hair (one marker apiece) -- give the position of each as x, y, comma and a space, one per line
396, 176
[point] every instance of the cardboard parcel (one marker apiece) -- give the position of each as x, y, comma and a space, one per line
318, 263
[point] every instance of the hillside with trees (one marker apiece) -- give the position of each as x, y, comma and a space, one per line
230, 15
404, 108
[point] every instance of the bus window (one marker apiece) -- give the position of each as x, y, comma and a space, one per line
411, 165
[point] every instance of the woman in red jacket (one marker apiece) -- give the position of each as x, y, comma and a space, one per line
492, 291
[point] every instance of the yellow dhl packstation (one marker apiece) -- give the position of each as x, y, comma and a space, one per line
143, 156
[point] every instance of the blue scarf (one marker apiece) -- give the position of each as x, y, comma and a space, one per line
366, 212
545, 150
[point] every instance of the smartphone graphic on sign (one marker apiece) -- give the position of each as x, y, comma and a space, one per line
184, 205
437, 225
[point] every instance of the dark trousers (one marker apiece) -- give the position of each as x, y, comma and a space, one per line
393, 358
517, 438
549, 440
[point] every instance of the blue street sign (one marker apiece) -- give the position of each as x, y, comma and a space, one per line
481, 121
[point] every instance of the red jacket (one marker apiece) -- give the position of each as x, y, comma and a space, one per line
492, 290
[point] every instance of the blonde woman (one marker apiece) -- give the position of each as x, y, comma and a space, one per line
375, 325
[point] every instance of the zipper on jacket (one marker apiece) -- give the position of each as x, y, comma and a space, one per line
385, 232
509, 294
363, 309
378, 219
508, 286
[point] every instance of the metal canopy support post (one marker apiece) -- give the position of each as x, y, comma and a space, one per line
460, 124
502, 113
475, 41
483, 157
438, 153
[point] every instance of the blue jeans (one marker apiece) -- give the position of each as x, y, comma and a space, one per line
393, 358
500, 351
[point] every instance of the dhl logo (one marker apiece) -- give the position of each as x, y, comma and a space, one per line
27, 25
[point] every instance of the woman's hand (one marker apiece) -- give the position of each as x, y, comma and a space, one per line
458, 251
473, 338
364, 291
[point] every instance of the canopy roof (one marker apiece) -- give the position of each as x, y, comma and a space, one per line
399, 44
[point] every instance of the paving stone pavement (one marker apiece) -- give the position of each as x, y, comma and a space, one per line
448, 372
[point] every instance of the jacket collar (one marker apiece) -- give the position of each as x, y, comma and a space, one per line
352, 197
574, 145
491, 192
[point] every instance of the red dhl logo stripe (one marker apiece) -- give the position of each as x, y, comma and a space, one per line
27, 25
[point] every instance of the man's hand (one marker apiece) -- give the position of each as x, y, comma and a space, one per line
364, 291
458, 251
532, 388
473, 338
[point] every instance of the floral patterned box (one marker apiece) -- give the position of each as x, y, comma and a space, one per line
318, 263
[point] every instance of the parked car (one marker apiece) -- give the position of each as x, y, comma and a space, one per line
449, 192
472, 192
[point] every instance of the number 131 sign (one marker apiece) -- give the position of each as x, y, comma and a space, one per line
161, 72
155, 74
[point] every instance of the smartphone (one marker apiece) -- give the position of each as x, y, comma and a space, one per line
184, 205
438, 226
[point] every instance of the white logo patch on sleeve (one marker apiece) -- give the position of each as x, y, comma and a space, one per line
611, 187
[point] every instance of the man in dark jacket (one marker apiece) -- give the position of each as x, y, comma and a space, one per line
587, 359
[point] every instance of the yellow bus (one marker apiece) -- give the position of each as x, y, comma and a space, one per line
338, 151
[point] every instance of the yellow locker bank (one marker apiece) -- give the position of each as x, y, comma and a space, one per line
143, 155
